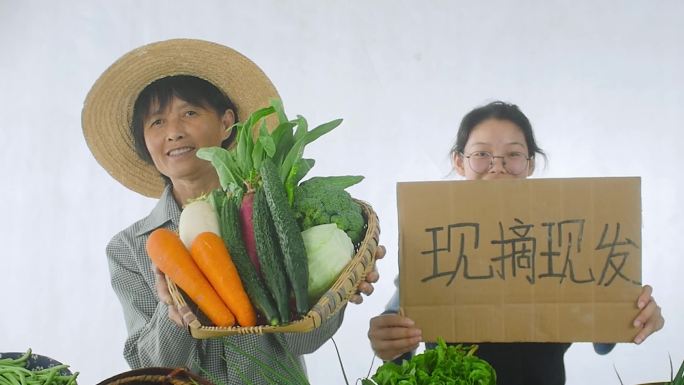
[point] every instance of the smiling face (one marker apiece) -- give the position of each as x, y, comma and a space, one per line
173, 136
501, 138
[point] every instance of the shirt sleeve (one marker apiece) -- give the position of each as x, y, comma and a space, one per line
393, 304
393, 308
603, 348
153, 339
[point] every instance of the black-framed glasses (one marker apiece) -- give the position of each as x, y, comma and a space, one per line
515, 163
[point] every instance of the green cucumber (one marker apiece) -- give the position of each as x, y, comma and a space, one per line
232, 236
270, 256
289, 235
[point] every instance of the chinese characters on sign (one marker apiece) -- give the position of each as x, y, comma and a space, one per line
519, 253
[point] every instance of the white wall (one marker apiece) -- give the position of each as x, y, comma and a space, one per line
602, 83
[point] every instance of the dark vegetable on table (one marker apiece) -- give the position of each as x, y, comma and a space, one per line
15, 369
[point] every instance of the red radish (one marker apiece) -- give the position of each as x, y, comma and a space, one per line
248, 228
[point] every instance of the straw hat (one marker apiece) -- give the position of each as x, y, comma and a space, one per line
108, 108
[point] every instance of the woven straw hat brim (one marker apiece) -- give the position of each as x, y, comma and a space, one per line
108, 108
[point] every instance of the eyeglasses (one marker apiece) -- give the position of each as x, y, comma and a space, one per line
515, 163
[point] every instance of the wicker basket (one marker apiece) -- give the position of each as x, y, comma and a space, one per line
154, 376
330, 303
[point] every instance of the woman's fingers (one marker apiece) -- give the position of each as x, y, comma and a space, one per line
175, 316
366, 287
356, 299
185, 315
165, 297
162, 289
392, 335
373, 276
645, 296
650, 318
388, 350
380, 252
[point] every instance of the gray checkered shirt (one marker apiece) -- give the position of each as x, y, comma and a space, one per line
154, 340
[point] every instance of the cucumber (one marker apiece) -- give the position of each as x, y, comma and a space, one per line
232, 236
270, 256
289, 235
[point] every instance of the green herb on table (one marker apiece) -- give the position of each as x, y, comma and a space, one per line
445, 364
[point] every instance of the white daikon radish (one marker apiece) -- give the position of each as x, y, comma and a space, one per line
197, 217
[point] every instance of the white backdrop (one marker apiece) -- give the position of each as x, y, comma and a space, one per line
602, 83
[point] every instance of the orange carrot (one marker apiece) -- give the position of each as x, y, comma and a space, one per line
171, 257
211, 255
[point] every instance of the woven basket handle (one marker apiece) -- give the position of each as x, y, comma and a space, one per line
186, 313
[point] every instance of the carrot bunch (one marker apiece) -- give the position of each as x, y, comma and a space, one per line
206, 273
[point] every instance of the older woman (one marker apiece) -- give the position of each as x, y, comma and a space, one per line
144, 120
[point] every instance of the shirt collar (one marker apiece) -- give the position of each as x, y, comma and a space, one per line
165, 211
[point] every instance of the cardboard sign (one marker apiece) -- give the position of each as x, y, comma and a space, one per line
546, 260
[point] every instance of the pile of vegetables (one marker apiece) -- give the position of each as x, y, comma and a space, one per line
446, 364
263, 247
15, 371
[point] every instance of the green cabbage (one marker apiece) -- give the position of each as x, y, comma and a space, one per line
328, 250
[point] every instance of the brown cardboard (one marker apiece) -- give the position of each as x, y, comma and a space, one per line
497, 300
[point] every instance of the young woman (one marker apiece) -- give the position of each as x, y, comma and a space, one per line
496, 142
144, 120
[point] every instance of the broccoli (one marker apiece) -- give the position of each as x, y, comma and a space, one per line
322, 200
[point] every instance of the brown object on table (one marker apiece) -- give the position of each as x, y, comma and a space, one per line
155, 376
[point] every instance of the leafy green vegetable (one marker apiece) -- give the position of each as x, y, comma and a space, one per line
322, 130
283, 139
328, 250
446, 364
338, 182
238, 168
322, 200
223, 161
291, 158
297, 172
277, 105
